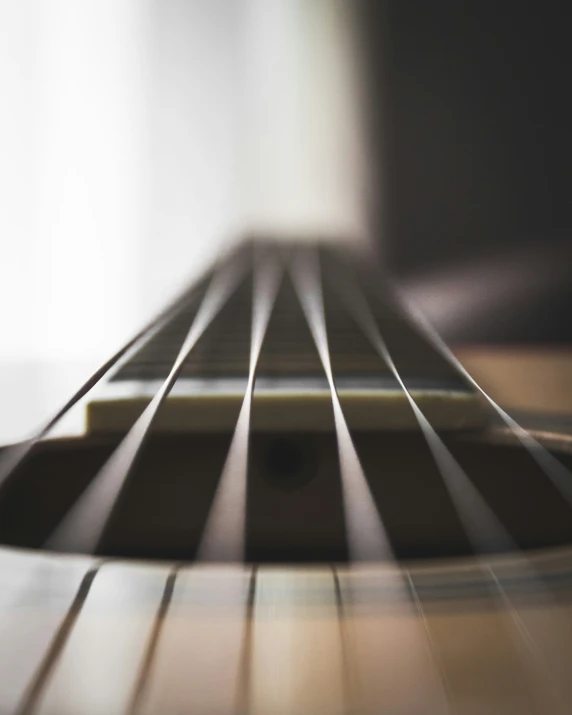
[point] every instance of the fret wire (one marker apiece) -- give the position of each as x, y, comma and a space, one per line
14, 456
223, 537
533, 655
83, 526
34, 691
147, 662
351, 686
427, 672
245, 665
367, 538
429, 637
558, 473
536, 657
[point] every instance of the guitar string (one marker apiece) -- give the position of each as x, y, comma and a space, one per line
224, 534
483, 527
83, 526
244, 679
485, 531
143, 676
428, 635
558, 473
537, 661
250, 374
351, 675
14, 456
350, 689
33, 693
367, 537
113, 360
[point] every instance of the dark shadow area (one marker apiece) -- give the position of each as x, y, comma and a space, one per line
294, 503
470, 107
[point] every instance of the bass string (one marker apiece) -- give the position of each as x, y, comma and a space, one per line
83, 526
367, 537
224, 534
558, 473
13, 457
484, 530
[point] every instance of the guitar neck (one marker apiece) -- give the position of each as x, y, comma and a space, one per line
291, 390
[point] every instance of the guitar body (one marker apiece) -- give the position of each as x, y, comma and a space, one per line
147, 624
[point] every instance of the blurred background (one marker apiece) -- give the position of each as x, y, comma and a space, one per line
474, 124
119, 144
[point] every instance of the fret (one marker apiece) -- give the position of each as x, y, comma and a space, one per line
36, 595
98, 667
213, 376
484, 658
199, 661
545, 626
274, 449
315, 438
297, 652
389, 661
484, 529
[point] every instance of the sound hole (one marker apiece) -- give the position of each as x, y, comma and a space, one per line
294, 501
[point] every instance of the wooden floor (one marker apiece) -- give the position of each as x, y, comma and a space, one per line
81, 637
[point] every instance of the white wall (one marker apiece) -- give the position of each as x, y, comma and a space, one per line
127, 128
116, 133
115, 146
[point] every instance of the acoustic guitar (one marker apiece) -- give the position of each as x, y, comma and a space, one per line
289, 497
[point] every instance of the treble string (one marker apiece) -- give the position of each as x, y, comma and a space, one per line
223, 537
485, 531
558, 474
83, 526
366, 534
367, 538
483, 527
